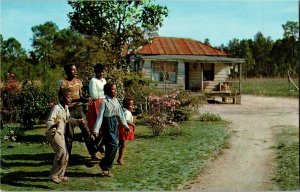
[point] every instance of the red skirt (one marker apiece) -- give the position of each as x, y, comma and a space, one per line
122, 133
92, 113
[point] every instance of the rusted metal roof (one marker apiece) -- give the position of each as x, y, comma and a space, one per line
179, 46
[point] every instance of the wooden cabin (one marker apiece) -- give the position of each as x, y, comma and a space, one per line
188, 64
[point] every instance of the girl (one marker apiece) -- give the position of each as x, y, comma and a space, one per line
56, 123
96, 90
128, 108
110, 113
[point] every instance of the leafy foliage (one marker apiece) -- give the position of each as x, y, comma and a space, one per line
116, 23
34, 104
9, 100
11, 133
169, 109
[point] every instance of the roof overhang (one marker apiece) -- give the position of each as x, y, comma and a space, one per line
192, 58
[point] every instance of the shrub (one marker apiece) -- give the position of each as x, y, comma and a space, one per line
11, 132
210, 117
34, 104
9, 101
171, 108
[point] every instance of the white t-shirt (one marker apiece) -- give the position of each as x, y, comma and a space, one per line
96, 88
128, 115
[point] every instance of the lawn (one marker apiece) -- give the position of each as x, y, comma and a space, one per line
270, 87
287, 158
166, 162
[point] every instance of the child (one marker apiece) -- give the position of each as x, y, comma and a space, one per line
128, 108
96, 90
56, 123
109, 115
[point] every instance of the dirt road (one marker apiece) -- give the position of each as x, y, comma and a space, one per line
247, 164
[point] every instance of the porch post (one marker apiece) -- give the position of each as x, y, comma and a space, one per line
202, 84
240, 77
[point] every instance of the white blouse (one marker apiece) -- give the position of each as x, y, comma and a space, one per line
96, 88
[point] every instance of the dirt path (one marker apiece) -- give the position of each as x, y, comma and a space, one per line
247, 163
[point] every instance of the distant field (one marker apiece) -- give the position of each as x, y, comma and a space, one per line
270, 87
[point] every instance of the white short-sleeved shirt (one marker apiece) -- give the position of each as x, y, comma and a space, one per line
128, 115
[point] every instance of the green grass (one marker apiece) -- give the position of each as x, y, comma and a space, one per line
270, 87
287, 159
166, 162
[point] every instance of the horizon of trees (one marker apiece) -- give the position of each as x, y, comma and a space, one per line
52, 48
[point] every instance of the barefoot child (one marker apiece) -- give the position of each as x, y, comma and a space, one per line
56, 124
109, 115
128, 107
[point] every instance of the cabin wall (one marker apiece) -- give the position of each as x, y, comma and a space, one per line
221, 74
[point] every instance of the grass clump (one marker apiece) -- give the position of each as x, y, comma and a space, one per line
287, 159
166, 162
209, 117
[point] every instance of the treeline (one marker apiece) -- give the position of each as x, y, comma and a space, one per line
267, 58
52, 48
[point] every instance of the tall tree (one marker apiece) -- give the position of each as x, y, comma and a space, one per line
248, 56
116, 23
291, 29
13, 58
261, 52
42, 42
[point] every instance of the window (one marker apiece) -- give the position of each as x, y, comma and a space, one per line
165, 72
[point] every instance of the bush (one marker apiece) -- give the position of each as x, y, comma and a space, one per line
210, 117
9, 101
11, 132
34, 104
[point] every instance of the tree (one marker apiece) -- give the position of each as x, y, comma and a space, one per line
261, 52
116, 23
42, 42
248, 56
13, 58
291, 29
206, 41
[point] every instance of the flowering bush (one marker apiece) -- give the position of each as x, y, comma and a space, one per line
9, 101
169, 109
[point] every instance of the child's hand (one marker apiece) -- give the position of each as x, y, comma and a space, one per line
96, 134
127, 130
80, 121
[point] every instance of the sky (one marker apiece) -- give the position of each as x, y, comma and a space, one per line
218, 20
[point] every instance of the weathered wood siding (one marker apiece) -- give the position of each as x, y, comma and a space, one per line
194, 76
221, 73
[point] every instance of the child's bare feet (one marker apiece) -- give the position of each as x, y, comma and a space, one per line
64, 178
120, 162
55, 179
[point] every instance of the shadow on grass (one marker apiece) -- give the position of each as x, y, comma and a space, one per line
32, 139
30, 179
42, 138
36, 160
26, 179
34, 179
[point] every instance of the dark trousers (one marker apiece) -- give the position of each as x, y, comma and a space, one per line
77, 113
110, 140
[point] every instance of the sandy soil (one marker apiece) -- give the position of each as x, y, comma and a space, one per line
247, 163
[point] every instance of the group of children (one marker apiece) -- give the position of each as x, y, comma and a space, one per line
107, 127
